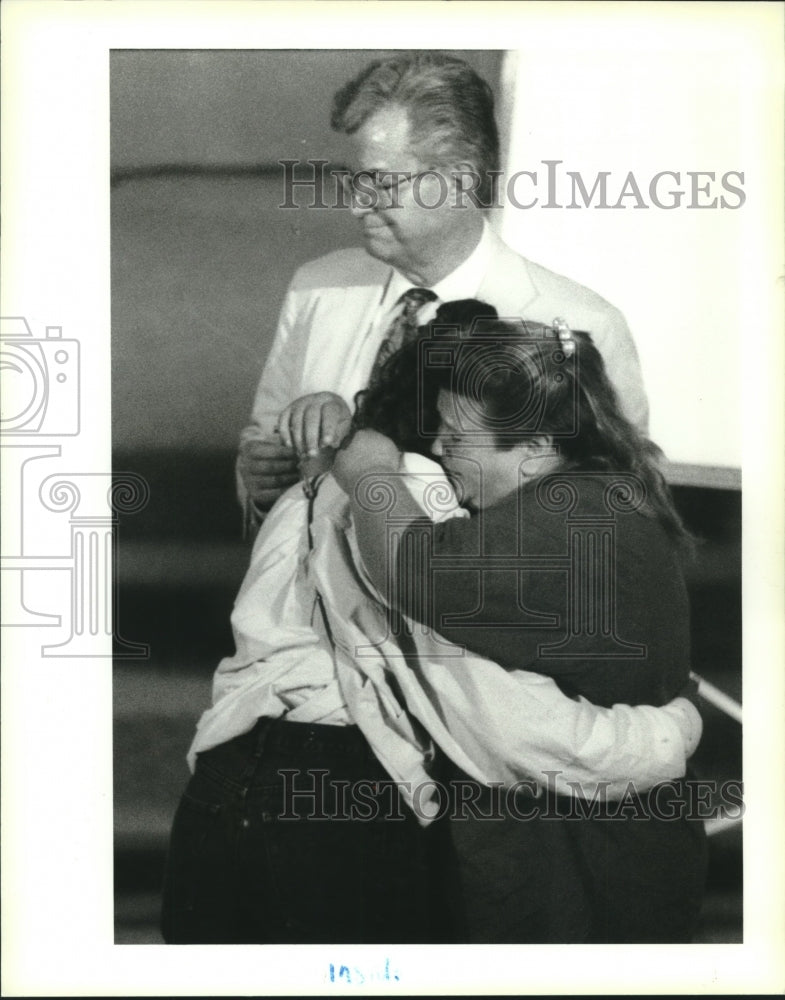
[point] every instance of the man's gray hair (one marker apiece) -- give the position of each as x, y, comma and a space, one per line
450, 109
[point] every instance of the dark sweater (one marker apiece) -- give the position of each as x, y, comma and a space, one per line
522, 575
519, 614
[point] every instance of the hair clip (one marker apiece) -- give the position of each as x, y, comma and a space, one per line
564, 333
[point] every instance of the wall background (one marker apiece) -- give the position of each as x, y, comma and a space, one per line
201, 253
682, 103
234, 107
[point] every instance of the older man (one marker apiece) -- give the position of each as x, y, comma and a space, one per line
420, 125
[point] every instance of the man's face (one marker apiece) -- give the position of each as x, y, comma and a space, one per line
410, 236
481, 472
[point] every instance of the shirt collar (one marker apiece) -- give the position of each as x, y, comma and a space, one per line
462, 283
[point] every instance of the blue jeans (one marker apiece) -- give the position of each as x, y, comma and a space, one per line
274, 841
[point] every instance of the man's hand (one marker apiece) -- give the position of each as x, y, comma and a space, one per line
267, 468
310, 423
368, 451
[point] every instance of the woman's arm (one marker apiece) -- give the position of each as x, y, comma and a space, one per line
368, 471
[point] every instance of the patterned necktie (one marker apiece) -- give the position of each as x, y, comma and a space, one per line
403, 328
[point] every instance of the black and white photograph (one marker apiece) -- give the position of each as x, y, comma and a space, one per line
392, 446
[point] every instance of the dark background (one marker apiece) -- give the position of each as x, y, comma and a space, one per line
201, 255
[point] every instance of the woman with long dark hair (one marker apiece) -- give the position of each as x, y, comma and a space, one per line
569, 566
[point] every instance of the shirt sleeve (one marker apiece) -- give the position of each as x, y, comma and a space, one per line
279, 381
276, 389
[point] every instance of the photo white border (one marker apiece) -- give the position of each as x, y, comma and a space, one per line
57, 822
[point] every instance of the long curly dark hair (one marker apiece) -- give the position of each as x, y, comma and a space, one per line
515, 379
